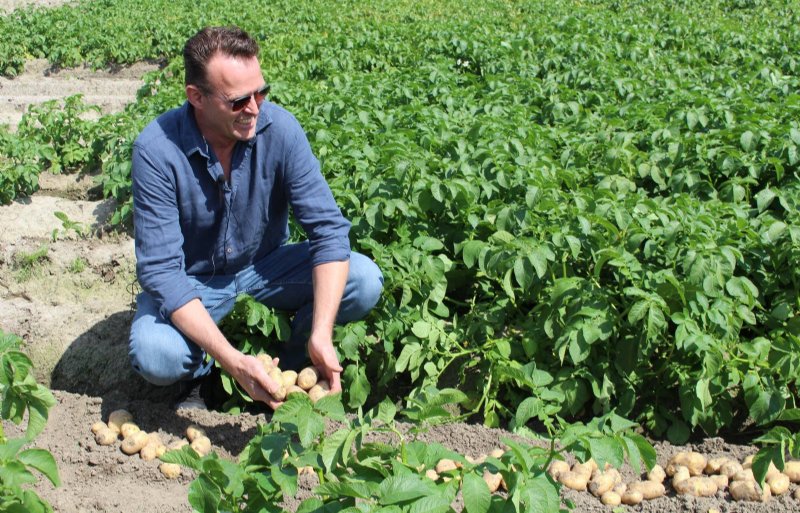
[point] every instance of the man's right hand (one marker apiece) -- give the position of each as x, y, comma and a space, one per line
251, 376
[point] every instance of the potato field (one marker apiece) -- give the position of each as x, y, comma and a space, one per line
586, 214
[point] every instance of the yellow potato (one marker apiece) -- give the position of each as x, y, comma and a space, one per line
585, 469
557, 467
307, 378
177, 444
99, 426
792, 470
649, 489
694, 461
720, 480
289, 378
748, 491
193, 432
620, 489
117, 418
445, 465
778, 484
170, 470
280, 394
715, 464
696, 486
574, 480
603, 482
152, 451
730, 468
105, 437
497, 453
492, 480
630, 498
295, 389
657, 474
797, 494
432, 474
201, 445
134, 443
744, 475
611, 498
317, 392
266, 361
128, 429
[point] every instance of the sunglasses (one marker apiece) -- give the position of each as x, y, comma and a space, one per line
241, 102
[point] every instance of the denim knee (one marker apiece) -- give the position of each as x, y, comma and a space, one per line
363, 289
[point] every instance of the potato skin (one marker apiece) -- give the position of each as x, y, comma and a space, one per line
170, 470
128, 429
602, 483
657, 474
307, 378
778, 484
117, 418
630, 498
105, 436
557, 467
611, 498
792, 470
201, 445
289, 378
316, 393
445, 465
748, 491
492, 480
574, 480
99, 426
134, 443
694, 461
649, 489
193, 432
696, 486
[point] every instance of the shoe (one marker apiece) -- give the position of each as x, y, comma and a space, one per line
191, 398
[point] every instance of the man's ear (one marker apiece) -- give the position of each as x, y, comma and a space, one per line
194, 95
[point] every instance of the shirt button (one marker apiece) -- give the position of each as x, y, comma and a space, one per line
229, 250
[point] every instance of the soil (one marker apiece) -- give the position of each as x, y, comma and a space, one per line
73, 309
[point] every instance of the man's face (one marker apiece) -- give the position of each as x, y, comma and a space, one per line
228, 78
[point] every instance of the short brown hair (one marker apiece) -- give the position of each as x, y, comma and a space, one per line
230, 41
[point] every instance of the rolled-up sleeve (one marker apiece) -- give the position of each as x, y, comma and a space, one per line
160, 265
313, 204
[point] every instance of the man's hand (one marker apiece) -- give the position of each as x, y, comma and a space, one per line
324, 358
251, 376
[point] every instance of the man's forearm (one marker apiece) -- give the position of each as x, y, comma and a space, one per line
194, 321
329, 281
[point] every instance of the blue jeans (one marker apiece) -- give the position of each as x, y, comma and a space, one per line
281, 280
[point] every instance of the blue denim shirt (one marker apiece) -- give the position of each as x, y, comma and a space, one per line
189, 221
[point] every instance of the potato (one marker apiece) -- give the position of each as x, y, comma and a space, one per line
201, 445
445, 465
177, 444
266, 361
170, 470
797, 494
748, 491
694, 461
492, 480
134, 443
630, 498
105, 436
720, 480
748, 461
193, 432
432, 474
714, 464
289, 378
730, 468
316, 393
657, 474
99, 426
574, 480
307, 378
497, 453
556, 468
681, 473
117, 418
611, 498
697, 486
280, 394
649, 489
585, 469
792, 470
620, 489
152, 451
744, 475
778, 484
603, 482
305, 470
294, 389
128, 429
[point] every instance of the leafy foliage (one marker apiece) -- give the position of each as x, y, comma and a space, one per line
20, 394
579, 207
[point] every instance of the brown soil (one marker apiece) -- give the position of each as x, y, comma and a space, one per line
73, 310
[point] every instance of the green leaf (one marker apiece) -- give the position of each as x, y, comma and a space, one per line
746, 140
607, 450
639, 449
204, 495
42, 461
399, 489
765, 456
185, 456
471, 252
357, 386
477, 497
541, 495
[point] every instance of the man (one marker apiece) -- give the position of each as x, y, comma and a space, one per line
213, 181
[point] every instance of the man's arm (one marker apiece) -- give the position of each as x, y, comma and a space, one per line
193, 320
329, 280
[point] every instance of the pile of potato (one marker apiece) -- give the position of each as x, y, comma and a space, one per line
147, 445
691, 473
306, 381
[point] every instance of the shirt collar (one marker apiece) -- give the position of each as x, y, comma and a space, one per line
194, 142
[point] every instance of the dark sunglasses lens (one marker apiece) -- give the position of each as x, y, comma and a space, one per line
240, 103
261, 93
